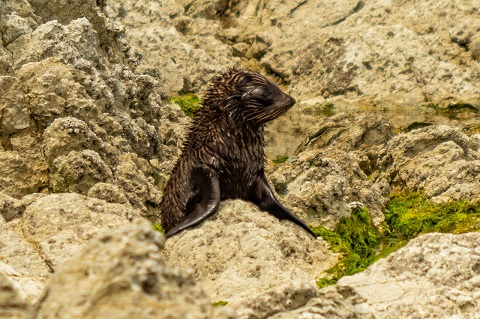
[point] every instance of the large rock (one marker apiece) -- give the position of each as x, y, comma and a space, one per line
72, 110
123, 275
242, 250
434, 276
299, 299
377, 52
21, 262
60, 225
181, 52
330, 172
439, 160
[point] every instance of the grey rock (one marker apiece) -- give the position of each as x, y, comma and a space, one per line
439, 160
60, 225
242, 251
78, 172
433, 276
123, 275
330, 170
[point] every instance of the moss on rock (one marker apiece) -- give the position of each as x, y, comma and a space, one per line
189, 103
407, 216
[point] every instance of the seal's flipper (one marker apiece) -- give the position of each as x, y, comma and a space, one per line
207, 205
262, 195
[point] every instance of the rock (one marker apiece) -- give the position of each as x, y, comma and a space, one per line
108, 192
123, 275
439, 160
434, 275
379, 52
15, 176
60, 225
10, 208
78, 172
241, 251
474, 46
289, 296
11, 305
182, 62
328, 174
29, 277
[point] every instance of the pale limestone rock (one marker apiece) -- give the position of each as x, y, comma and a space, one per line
60, 225
109, 192
439, 160
15, 175
181, 52
11, 304
241, 250
78, 172
329, 172
123, 275
433, 276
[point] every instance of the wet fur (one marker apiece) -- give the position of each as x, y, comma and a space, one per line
223, 156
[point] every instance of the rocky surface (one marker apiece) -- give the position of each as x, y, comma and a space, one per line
439, 160
433, 276
123, 275
329, 173
88, 138
241, 251
11, 305
380, 52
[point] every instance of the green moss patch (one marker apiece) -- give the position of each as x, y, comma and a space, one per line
411, 214
407, 216
220, 303
158, 228
189, 103
280, 159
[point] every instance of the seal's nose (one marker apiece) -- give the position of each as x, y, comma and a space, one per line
290, 100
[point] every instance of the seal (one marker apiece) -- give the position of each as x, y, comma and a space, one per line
223, 155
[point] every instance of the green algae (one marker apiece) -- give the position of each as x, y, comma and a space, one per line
407, 215
280, 159
189, 103
159, 228
411, 214
220, 303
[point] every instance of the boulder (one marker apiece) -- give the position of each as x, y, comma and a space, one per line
241, 251
433, 276
330, 171
11, 305
439, 160
60, 225
122, 274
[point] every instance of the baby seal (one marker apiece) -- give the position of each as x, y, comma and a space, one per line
223, 156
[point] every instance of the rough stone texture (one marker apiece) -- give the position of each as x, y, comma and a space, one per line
21, 262
72, 109
11, 305
299, 299
241, 250
181, 52
60, 225
328, 174
123, 275
10, 208
377, 52
439, 160
434, 276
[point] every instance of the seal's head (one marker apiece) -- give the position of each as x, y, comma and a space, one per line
248, 96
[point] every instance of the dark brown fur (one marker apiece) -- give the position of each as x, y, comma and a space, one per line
223, 156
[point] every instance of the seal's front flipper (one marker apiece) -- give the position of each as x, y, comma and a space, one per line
262, 195
207, 201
